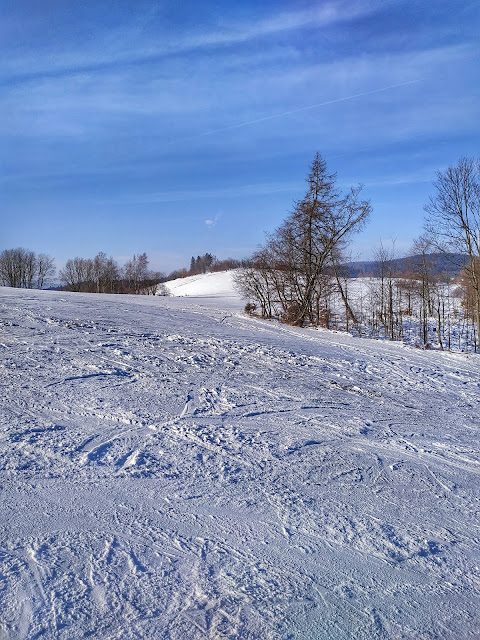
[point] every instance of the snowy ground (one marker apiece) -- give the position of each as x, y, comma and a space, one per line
171, 469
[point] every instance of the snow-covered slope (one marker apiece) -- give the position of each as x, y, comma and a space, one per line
207, 285
173, 471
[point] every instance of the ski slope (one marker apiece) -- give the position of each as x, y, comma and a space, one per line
216, 289
172, 469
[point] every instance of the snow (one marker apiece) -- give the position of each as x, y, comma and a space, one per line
173, 469
208, 285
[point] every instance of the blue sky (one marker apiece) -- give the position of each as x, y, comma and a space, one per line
178, 128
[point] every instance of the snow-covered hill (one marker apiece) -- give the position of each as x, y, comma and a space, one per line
207, 285
171, 469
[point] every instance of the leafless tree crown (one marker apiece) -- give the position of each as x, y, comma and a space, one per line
25, 269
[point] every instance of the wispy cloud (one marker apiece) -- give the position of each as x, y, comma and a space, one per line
420, 177
238, 191
131, 46
177, 105
309, 107
327, 14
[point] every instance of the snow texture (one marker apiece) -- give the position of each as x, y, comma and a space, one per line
172, 469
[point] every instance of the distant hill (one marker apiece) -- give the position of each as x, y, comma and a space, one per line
451, 264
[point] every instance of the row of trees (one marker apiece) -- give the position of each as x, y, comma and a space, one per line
102, 274
25, 269
453, 222
412, 296
205, 264
201, 264
451, 227
296, 276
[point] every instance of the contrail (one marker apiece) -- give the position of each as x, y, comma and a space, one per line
312, 106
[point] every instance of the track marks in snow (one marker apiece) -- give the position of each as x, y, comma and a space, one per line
116, 585
207, 402
192, 475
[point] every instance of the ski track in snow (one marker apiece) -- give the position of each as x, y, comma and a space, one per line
173, 469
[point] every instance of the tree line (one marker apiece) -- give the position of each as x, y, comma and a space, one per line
103, 274
25, 269
297, 275
22, 268
207, 263
412, 298
451, 228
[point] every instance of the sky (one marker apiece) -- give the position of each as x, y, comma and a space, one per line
179, 128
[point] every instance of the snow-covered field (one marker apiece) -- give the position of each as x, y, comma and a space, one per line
171, 469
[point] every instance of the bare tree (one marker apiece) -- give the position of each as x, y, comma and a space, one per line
321, 224
256, 282
111, 276
453, 219
136, 272
293, 275
340, 272
17, 267
23, 268
422, 272
384, 290
45, 270
79, 274
10, 273
29, 268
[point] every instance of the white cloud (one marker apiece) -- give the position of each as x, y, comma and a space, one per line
212, 222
